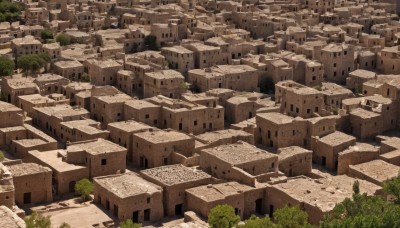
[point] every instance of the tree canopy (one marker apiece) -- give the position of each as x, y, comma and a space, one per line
32, 63
63, 39
222, 216
291, 217
256, 222
1, 156
6, 66
151, 42
37, 220
365, 211
130, 224
10, 11
46, 34
392, 187
84, 187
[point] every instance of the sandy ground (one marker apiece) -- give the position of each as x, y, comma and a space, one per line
75, 214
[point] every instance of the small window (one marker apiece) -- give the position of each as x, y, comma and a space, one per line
103, 161
195, 123
147, 116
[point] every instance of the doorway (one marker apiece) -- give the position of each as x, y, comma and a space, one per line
178, 209
135, 217
259, 206
27, 198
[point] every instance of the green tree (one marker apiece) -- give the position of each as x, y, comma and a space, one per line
130, 224
85, 78
10, 11
84, 187
63, 39
151, 42
392, 187
256, 222
291, 217
222, 216
1, 156
356, 187
47, 34
365, 211
6, 66
32, 63
37, 220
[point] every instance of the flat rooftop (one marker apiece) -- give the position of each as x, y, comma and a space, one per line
216, 192
390, 155
54, 161
61, 111
68, 64
29, 142
163, 136
287, 152
213, 136
239, 153
336, 138
175, 174
127, 185
361, 147
7, 107
276, 117
116, 98
165, 74
324, 193
377, 169
24, 169
178, 49
364, 114
99, 146
129, 126
140, 104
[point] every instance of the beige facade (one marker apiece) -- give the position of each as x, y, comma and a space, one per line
175, 179
143, 111
189, 117
205, 55
327, 149
64, 175
32, 183
73, 70
359, 153
27, 45
338, 62
129, 196
100, 156
295, 161
278, 130
122, 133
179, 58
10, 115
169, 83
237, 77
103, 73
107, 104
244, 199
157, 148
12, 87
239, 162
298, 100
49, 118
